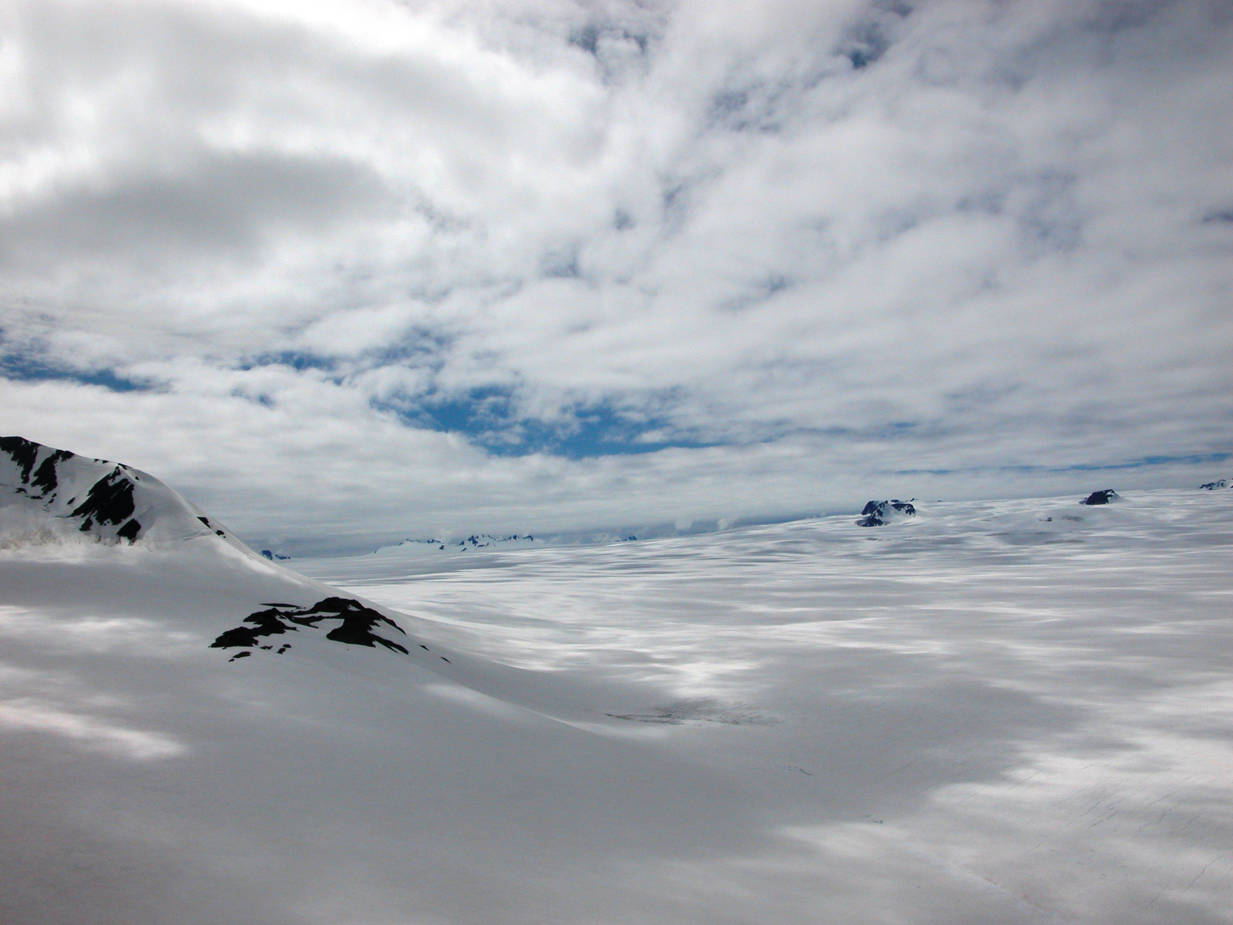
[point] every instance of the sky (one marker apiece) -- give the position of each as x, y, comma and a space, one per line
346, 272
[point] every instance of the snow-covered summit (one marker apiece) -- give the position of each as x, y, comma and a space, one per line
880, 513
49, 495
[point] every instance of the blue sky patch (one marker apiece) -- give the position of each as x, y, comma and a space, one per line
27, 369
488, 417
297, 360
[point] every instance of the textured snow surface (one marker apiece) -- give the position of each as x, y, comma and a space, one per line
1006, 712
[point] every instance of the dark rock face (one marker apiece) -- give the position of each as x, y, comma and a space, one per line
355, 625
878, 513
272, 556
110, 501
23, 451
1212, 486
45, 478
1104, 496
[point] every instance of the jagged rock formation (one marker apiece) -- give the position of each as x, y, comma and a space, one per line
1104, 496
880, 513
1212, 486
354, 624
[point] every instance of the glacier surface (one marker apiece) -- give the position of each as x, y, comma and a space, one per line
1011, 711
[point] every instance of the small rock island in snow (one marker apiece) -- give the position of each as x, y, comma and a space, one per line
1104, 496
880, 513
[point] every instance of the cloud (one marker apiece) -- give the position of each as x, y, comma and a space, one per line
505, 263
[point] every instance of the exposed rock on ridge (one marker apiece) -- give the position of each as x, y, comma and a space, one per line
357, 625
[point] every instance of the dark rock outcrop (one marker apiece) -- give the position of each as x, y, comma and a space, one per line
879, 513
1104, 496
46, 479
110, 501
354, 624
1212, 486
24, 452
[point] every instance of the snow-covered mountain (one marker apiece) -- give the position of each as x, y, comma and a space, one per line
53, 495
881, 513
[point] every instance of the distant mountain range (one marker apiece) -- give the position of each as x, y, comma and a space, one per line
474, 541
491, 542
50, 495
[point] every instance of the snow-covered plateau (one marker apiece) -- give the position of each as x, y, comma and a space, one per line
1006, 711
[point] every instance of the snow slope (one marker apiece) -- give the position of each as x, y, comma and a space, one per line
1010, 711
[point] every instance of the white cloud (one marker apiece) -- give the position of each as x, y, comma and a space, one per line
833, 240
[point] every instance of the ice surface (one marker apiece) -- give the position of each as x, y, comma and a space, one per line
1016, 711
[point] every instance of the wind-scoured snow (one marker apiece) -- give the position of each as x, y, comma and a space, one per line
1014, 711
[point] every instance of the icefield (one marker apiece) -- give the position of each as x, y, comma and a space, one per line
1007, 711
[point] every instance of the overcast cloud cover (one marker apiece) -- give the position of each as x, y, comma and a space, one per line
347, 272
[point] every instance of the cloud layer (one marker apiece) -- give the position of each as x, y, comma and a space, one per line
347, 272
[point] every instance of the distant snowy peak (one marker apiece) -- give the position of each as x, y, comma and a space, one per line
880, 513
1219, 483
48, 494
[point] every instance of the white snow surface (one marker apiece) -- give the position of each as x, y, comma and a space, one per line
977, 715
